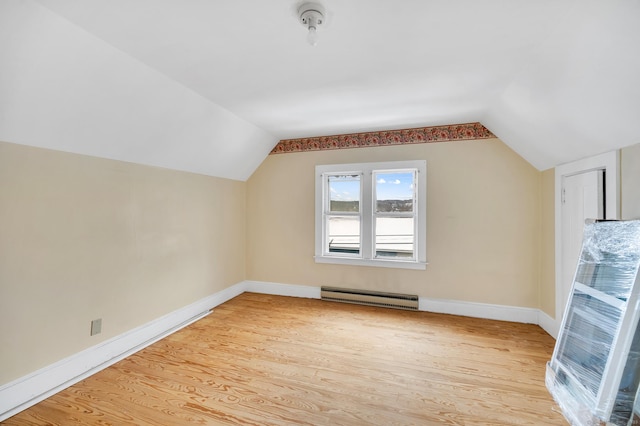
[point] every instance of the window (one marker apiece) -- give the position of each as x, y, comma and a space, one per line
372, 214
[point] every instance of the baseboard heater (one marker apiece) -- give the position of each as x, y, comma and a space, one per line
370, 298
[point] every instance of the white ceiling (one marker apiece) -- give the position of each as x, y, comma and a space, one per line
211, 86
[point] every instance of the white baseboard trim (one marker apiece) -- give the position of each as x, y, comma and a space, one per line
292, 290
548, 324
41, 384
28, 390
480, 310
453, 307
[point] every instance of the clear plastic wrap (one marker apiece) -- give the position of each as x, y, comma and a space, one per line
595, 369
576, 409
610, 255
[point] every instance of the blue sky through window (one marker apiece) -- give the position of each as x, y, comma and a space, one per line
389, 186
394, 186
344, 188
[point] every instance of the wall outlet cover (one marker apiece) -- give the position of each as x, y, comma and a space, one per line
96, 326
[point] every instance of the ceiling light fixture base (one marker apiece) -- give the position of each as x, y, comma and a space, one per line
311, 15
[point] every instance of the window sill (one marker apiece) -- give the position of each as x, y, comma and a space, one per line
398, 264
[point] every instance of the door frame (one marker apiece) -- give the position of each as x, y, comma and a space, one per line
610, 163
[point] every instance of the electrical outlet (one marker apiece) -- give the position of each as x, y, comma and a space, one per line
96, 326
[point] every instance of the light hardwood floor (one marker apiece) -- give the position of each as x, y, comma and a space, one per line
271, 360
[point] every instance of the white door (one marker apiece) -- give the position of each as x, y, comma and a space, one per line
582, 198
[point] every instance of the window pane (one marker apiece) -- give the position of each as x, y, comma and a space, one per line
343, 234
394, 191
394, 237
344, 193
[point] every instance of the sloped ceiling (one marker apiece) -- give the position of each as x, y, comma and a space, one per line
211, 86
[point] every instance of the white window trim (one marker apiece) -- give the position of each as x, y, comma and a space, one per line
367, 169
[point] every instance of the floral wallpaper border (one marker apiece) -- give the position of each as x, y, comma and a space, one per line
457, 132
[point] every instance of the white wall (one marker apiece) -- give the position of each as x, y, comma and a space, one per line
630, 182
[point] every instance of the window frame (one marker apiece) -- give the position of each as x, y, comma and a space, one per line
368, 214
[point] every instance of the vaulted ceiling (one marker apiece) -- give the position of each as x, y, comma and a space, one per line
211, 86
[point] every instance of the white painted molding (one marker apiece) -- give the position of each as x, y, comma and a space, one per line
548, 324
480, 310
610, 162
453, 307
41, 384
310, 292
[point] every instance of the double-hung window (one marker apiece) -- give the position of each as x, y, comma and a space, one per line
372, 214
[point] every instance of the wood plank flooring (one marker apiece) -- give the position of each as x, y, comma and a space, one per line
272, 360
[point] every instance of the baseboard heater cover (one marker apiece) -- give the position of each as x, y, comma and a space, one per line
370, 298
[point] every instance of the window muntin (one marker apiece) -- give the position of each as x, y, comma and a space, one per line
372, 214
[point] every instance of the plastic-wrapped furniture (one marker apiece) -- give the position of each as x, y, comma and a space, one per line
595, 369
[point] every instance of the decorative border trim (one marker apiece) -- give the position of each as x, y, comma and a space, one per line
41, 384
457, 132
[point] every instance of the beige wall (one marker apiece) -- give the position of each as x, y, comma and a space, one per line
630, 182
483, 224
547, 243
84, 238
